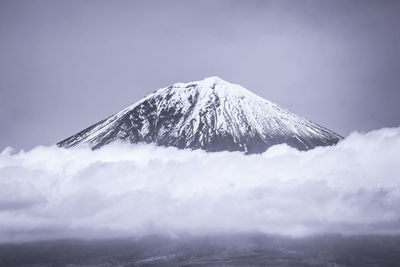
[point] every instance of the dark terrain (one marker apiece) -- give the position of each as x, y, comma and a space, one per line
223, 250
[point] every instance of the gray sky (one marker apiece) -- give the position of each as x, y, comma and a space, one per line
65, 65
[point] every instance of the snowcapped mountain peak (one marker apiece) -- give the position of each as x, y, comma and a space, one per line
210, 114
207, 84
216, 86
213, 80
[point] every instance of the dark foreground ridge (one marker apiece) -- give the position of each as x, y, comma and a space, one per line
228, 250
212, 115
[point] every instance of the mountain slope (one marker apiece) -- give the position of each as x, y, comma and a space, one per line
211, 114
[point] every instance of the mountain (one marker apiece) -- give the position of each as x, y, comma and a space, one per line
211, 114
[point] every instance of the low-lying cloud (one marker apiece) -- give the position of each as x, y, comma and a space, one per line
134, 190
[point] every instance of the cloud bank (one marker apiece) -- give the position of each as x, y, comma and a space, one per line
134, 190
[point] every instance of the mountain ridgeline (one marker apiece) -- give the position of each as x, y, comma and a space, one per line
212, 115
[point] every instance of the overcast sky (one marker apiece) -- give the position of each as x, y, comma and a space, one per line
65, 65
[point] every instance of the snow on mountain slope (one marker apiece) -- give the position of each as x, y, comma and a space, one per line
211, 114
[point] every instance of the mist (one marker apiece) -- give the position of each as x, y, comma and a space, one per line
136, 190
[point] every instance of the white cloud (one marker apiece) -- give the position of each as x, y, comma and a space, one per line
121, 190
